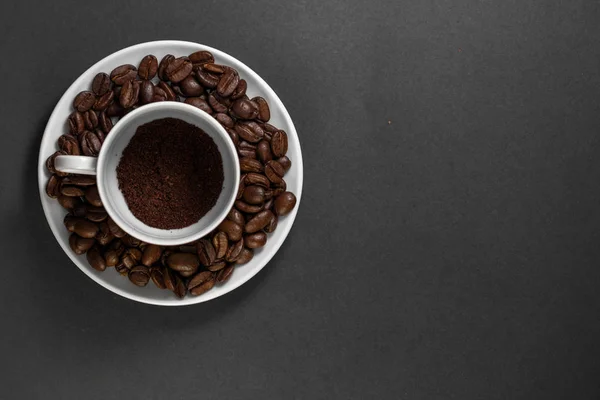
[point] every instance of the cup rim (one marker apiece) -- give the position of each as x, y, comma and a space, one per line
105, 153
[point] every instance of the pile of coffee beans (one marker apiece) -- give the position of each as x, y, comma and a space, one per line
262, 197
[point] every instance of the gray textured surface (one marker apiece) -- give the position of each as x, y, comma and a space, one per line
447, 243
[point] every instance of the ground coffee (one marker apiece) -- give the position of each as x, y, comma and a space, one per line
170, 173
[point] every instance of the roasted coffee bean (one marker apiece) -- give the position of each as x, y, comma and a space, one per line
204, 287
165, 256
115, 229
274, 171
217, 266
190, 87
90, 144
258, 222
131, 257
224, 274
111, 257
284, 203
264, 113
139, 275
76, 123
234, 252
285, 162
263, 150
245, 256
130, 241
95, 259
115, 110
269, 203
159, 95
127, 97
185, 263
50, 163
252, 178
72, 191
85, 228
269, 128
148, 67
255, 240
224, 120
151, 255
102, 102
199, 279
241, 187
250, 165
206, 252
268, 195
272, 225
243, 151
104, 236
206, 79
215, 68
240, 90
92, 196
68, 202
244, 109
217, 103
171, 96
279, 143
53, 189
249, 131
80, 245
69, 221
166, 60
100, 134
69, 144
95, 214
220, 243
123, 73
178, 69
228, 82
169, 278
247, 208
180, 289
101, 84
84, 101
200, 103
231, 229
121, 269
201, 57
156, 274
253, 194
233, 136
146, 92
236, 216
279, 188
105, 122
90, 119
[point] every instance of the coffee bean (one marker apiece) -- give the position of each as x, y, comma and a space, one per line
80, 245
104, 236
254, 194
264, 113
236, 216
255, 240
245, 256
156, 274
84, 101
272, 225
233, 136
284, 203
115, 229
71, 191
171, 96
101, 84
127, 97
203, 288
228, 82
279, 143
178, 69
200, 103
206, 252
258, 222
247, 208
68, 202
76, 123
148, 67
123, 73
90, 144
85, 228
244, 109
146, 92
231, 229
111, 257
250, 165
53, 189
199, 279
263, 150
241, 187
115, 110
69, 144
249, 131
90, 119
169, 278
95, 259
166, 60
285, 162
224, 120
69, 221
217, 103
217, 266
92, 196
190, 87
206, 79
240, 90
185, 263
139, 275
95, 214
269, 128
105, 122
234, 252
201, 57
130, 241
131, 257
274, 171
250, 153
224, 274
152, 253
279, 188
80, 180
102, 102
220, 243
252, 178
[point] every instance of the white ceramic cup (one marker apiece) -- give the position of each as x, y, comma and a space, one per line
105, 167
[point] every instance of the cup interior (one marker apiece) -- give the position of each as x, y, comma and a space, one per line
110, 155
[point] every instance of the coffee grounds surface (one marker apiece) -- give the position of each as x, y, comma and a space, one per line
170, 173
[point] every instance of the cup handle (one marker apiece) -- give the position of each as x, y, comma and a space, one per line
83, 165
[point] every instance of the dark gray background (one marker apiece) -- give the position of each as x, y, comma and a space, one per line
447, 242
